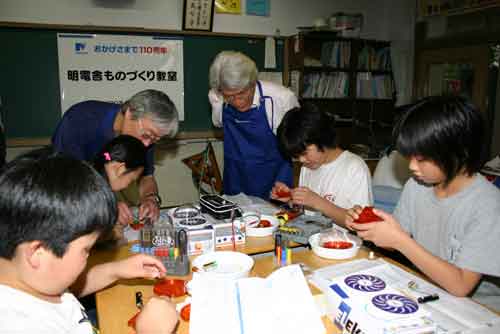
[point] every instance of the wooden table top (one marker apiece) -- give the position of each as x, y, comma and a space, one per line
116, 304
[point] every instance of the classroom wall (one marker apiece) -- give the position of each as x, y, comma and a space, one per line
176, 184
383, 19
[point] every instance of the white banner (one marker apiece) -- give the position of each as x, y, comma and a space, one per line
115, 67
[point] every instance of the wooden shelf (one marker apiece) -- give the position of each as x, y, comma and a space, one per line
430, 8
352, 110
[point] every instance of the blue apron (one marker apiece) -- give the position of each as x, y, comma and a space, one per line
252, 161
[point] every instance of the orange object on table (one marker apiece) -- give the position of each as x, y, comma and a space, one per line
186, 312
170, 288
367, 216
131, 322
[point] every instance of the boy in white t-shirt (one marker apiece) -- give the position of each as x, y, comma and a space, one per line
53, 208
331, 179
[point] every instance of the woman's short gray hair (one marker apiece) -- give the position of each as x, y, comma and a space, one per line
158, 107
232, 70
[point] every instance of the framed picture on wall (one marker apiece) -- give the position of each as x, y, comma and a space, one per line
198, 15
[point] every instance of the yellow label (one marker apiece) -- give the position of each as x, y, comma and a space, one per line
228, 6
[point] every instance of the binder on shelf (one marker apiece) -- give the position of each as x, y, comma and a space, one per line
336, 54
370, 86
326, 85
371, 59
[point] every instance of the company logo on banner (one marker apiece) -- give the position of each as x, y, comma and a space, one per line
115, 67
80, 48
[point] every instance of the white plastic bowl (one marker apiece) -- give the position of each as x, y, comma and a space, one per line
337, 254
262, 231
230, 265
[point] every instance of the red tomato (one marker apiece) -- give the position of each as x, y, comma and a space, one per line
131, 322
337, 244
186, 312
264, 223
170, 288
367, 216
283, 193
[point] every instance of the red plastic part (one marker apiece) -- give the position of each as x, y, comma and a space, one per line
135, 225
170, 288
339, 244
292, 214
186, 312
131, 322
264, 223
282, 193
367, 216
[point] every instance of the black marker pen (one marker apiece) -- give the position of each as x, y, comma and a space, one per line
428, 298
182, 239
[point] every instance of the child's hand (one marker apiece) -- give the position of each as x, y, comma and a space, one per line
125, 215
386, 233
140, 266
305, 196
157, 316
149, 208
351, 215
281, 192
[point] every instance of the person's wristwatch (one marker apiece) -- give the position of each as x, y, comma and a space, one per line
155, 197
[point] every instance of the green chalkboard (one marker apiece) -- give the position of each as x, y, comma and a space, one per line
29, 81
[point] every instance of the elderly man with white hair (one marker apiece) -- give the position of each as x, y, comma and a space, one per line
250, 111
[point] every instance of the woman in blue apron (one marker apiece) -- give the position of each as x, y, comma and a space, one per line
252, 161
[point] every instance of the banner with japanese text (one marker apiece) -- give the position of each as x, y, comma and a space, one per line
115, 67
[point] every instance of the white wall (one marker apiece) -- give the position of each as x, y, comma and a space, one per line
161, 14
174, 178
401, 30
383, 19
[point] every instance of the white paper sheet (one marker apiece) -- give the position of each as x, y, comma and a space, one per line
214, 307
281, 303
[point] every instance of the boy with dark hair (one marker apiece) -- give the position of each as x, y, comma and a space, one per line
331, 179
52, 210
447, 221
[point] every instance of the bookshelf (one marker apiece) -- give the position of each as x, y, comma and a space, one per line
350, 78
428, 8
